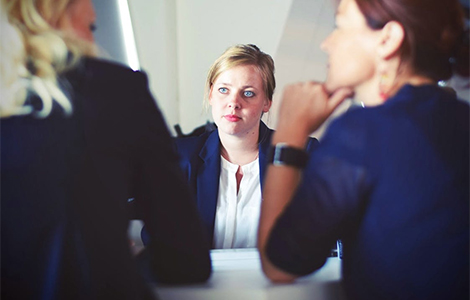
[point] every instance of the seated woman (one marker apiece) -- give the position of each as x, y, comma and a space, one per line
390, 179
225, 167
79, 136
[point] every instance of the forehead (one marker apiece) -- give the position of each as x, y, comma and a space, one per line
246, 74
348, 11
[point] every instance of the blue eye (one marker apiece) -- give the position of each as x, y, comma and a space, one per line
248, 94
223, 90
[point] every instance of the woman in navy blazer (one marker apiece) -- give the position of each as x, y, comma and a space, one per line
239, 88
390, 179
200, 161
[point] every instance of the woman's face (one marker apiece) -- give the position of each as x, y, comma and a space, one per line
351, 49
238, 100
80, 19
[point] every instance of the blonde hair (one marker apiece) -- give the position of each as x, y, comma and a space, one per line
33, 53
243, 54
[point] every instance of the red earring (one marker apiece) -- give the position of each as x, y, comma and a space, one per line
383, 87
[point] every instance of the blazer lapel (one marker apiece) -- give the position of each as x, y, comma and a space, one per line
264, 143
208, 181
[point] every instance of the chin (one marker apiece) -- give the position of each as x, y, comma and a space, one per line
331, 86
230, 130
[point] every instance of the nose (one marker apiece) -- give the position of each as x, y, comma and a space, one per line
234, 101
324, 46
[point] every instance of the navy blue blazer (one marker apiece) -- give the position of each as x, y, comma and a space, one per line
65, 182
392, 182
200, 162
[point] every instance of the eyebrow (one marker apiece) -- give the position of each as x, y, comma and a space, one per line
244, 87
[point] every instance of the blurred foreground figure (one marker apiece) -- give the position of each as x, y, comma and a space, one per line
79, 137
390, 180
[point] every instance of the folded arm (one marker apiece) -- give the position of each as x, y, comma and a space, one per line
305, 106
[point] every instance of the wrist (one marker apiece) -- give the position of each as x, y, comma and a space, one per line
282, 154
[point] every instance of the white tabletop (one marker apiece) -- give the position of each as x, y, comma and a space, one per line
237, 275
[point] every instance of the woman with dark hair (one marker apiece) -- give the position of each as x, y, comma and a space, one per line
391, 179
79, 137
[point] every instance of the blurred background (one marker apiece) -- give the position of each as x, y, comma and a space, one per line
176, 41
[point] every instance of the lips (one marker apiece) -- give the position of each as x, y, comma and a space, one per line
232, 118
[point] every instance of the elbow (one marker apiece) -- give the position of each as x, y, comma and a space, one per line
201, 276
175, 269
198, 273
280, 278
275, 274
189, 277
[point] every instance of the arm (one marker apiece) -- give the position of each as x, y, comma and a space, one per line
178, 250
304, 108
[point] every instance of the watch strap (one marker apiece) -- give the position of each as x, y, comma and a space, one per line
282, 154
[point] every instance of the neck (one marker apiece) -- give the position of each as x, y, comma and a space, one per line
239, 150
369, 92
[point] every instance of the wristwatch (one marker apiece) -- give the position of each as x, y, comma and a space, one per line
282, 154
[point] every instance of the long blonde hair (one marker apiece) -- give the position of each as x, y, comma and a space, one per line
33, 53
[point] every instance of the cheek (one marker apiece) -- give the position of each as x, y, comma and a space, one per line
350, 74
351, 62
83, 30
215, 106
257, 111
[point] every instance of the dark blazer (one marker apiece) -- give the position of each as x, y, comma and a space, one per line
392, 181
200, 162
65, 185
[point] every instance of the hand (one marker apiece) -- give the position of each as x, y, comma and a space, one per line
306, 105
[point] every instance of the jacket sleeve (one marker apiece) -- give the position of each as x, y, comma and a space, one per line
325, 207
178, 249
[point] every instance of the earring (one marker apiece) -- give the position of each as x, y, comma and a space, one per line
384, 87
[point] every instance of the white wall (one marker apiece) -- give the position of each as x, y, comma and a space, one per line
109, 33
154, 25
206, 28
178, 40
299, 57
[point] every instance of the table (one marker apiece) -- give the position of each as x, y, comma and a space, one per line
237, 275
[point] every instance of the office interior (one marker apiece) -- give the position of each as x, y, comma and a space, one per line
175, 42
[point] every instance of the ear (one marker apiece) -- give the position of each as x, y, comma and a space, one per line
267, 105
391, 38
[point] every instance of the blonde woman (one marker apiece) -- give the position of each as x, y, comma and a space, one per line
79, 137
225, 167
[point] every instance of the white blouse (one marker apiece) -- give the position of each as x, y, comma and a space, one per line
237, 215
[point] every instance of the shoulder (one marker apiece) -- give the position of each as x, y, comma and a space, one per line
106, 85
266, 135
103, 73
187, 147
347, 136
354, 120
99, 67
